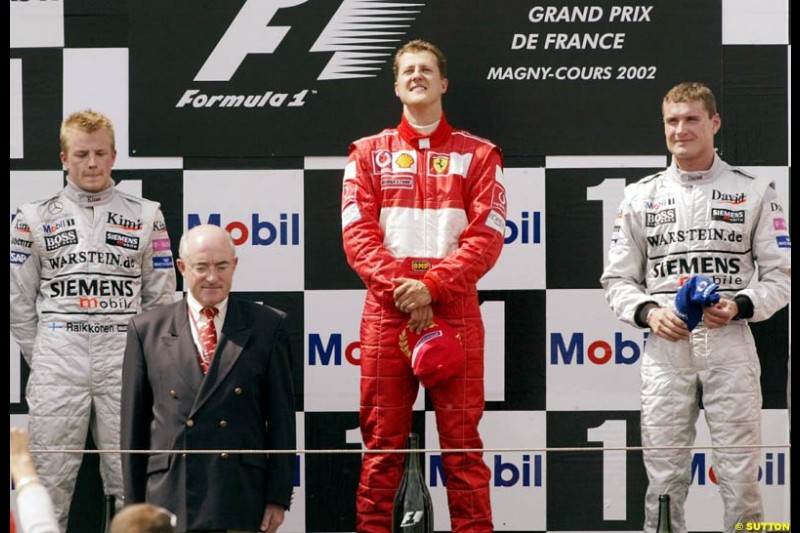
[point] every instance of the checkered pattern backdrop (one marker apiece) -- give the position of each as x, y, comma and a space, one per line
560, 370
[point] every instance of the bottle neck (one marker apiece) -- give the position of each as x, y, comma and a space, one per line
412, 457
664, 525
110, 509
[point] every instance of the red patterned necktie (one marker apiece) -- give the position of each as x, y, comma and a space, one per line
208, 337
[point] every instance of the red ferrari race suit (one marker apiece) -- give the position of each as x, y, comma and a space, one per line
429, 207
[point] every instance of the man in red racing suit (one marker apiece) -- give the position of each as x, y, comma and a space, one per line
423, 218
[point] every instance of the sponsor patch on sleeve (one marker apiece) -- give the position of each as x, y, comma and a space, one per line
349, 188
20, 226
497, 222
162, 262
159, 245
784, 241
779, 224
350, 214
23, 243
17, 258
498, 175
499, 198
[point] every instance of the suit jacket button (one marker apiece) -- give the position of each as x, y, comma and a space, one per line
238, 391
223, 423
190, 422
223, 455
173, 394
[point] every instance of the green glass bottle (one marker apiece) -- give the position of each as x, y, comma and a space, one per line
413, 507
664, 525
109, 509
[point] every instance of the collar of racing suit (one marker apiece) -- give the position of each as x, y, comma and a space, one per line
697, 177
88, 199
412, 136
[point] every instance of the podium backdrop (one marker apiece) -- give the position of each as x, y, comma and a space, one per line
239, 113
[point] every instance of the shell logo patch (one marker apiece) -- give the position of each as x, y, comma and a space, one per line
404, 160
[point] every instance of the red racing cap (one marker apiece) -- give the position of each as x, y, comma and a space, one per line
435, 355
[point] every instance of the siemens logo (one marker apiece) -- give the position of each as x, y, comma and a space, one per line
524, 473
598, 352
259, 232
330, 352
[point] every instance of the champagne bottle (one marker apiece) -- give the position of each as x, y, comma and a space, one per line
413, 507
664, 525
109, 509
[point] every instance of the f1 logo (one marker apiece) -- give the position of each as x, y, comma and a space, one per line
249, 33
369, 25
412, 518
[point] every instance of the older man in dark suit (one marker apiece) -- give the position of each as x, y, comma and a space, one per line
187, 388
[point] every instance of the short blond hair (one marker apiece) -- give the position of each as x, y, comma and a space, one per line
87, 121
416, 46
143, 518
692, 91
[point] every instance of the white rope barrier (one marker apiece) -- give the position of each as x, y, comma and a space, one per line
425, 450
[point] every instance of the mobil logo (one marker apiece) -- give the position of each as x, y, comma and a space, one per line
575, 349
284, 232
525, 229
326, 352
772, 470
524, 471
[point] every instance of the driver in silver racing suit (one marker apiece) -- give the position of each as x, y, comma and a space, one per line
669, 229
729, 226
82, 263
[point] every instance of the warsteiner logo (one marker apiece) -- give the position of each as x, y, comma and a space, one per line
359, 35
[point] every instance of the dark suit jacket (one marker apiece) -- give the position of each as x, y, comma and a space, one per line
245, 401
